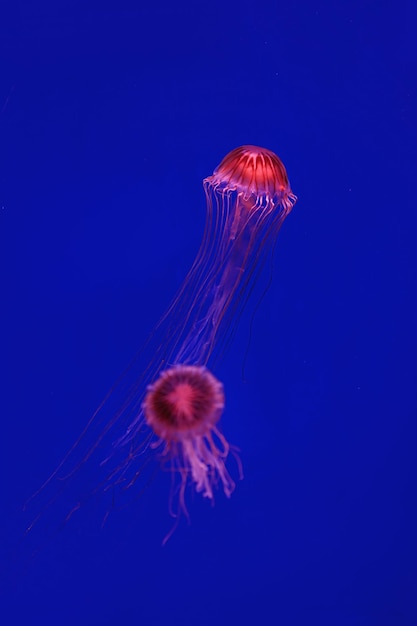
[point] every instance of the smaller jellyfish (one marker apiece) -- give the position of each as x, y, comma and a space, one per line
183, 408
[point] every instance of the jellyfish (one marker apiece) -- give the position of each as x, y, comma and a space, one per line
183, 407
248, 198
174, 405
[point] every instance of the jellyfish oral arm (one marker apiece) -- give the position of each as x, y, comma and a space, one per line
240, 228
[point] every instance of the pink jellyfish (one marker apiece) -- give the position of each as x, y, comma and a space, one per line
176, 403
248, 198
183, 407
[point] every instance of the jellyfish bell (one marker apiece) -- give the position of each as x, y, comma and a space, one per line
185, 402
254, 171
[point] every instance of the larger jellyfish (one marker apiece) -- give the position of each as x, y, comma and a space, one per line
175, 404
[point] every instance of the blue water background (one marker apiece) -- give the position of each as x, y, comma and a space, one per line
111, 116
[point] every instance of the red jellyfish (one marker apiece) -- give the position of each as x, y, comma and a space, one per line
248, 198
183, 407
175, 404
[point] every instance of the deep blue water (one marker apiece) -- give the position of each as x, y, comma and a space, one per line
111, 116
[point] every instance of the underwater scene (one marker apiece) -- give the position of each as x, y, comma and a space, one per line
208, 313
